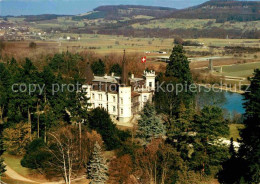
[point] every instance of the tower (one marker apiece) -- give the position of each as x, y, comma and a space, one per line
124, 77
89, 74
124, 95
150, 79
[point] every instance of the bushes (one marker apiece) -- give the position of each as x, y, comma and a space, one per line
32, 45
100, 121
98, 67
36, 155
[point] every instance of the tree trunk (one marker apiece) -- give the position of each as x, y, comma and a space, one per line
30, 124
80, 135
1, 114
38, 121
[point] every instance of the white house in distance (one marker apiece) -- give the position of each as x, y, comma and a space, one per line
122, 97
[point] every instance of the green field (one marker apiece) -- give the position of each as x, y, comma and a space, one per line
239, 70
14, 162
173, 23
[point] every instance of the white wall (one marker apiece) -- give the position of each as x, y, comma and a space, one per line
124, 99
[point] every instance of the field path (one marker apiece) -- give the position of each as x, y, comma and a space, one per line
14, 175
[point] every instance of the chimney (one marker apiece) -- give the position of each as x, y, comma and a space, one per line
105, 76
112, 74
132, 76
124, 77
89, 74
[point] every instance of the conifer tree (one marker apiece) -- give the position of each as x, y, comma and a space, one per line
150, 126
2, 166
250, 147
97, 168
178, 66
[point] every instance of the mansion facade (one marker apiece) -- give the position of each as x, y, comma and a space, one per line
122, 96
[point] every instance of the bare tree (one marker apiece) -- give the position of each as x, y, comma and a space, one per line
67, 159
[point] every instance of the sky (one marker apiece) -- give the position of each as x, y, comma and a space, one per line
74, 7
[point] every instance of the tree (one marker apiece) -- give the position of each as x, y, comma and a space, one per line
100, 120
178, 66
2, 166
209, 153
180, 132
178, 41
150, 126
175, 85
116, 69
157, 162
120, 169
63, 149
233, 168
16, 138
98, 67
32, 45
4, 86
97, 168
250, 136
36, 155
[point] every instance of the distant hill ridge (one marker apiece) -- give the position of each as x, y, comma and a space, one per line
222, 10
117, 12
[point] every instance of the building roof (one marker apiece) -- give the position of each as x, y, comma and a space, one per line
106, 79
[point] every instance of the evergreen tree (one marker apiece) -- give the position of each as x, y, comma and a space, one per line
250, 147
178, 66
98, 67
97, 168
116, 69
100, 120
150, 126
179, 131
209, 153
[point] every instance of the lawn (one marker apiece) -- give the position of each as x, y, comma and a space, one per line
12, 181
240, 70
14, 163
234, 130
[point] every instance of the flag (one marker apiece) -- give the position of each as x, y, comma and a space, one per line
144, 59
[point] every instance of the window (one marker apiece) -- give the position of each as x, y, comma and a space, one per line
100, 96
122, 101
150, 84
114, 99
100, 105
93, 96
145, 98
122, 111
114, 108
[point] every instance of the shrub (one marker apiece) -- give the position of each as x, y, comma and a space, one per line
36, 155
32, 45
100, 121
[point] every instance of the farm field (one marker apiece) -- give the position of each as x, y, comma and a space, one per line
239, 70
173, 23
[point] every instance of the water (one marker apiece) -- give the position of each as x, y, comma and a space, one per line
228, 101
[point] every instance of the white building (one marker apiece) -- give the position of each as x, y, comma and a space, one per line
122, 97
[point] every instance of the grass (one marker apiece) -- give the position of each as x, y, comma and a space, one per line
240, 70
234, 130
173, 23
12, 181
14, 162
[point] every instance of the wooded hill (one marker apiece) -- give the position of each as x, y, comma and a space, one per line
126, 11
222, 10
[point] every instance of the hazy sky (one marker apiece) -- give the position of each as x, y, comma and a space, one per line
72, 7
